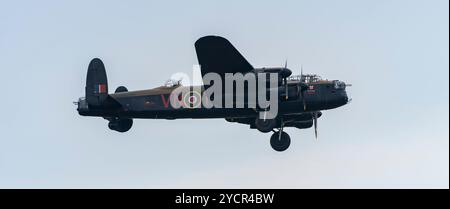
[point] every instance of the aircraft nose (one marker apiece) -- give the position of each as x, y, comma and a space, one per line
344, 97
347, 99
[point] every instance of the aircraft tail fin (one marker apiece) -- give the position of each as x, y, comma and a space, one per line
96, 83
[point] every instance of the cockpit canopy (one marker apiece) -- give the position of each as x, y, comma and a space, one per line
305, 78
339, 84
172, 83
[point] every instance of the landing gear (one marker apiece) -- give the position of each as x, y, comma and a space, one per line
120, 125
280, 141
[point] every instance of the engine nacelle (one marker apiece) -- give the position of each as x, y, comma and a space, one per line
302, 117
301, 124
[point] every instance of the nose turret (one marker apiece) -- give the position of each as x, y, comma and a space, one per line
339, 95
344, 97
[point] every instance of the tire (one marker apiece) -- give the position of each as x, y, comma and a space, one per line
278, 144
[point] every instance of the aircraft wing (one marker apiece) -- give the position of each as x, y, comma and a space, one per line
218, 55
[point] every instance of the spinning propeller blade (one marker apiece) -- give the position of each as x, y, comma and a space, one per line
285, 82
303, 88
301, 72
315, 123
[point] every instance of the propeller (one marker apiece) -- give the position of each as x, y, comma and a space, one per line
315, 124
301, 72
285, 82
303, 87
302, 93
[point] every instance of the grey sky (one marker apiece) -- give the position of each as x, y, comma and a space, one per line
393, 135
